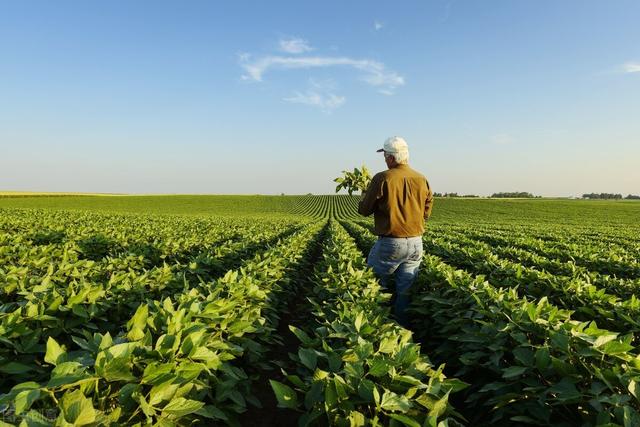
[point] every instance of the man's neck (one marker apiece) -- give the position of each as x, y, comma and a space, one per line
397, 165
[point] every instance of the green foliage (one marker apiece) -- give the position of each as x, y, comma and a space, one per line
355, 181
521, 353
353, 362
527, 311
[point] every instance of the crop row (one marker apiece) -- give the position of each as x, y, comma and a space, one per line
622, 243
51, 289
332, 206
355, 366
605, 259
624, 288
574, 293
528, 362
180, 359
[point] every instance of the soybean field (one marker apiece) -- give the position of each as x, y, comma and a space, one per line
261, 310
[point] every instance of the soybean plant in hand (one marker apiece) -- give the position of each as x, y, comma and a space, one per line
358, 180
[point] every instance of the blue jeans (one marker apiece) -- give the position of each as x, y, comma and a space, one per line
399, 257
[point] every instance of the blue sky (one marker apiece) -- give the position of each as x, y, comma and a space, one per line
271, 97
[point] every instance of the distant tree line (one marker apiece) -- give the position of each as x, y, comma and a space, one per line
514, 194
609, 196
453, 195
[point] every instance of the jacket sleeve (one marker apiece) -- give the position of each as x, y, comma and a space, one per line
428, 205
369, 198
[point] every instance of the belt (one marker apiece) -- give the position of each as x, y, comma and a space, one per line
394, 237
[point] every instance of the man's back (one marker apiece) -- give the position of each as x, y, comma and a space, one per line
400, 199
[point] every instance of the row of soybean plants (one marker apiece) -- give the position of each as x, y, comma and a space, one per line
590, 302
50, 289
565, 241
605, 258
346, 207
624, 288
93, 370
313, 206
355, 366
328, 206
528, 362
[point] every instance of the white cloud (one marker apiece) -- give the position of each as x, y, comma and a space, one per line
320, 95
375, 73
631, 67
294, 45
326, 102
377, 25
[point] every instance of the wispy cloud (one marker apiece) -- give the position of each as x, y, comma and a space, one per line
447, 10
374, 73
377, 25
294, 45
320, 95
631, 67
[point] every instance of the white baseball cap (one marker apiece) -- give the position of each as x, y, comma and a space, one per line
393, 145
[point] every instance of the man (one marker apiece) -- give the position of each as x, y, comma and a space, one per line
400, 200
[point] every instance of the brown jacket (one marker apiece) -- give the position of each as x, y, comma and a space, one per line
400, 199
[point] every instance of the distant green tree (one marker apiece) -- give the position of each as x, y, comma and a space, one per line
515, 194
606, 196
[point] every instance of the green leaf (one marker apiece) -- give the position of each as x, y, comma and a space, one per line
156, 373
405, 419
25, 399
379, 367
286, 396
211, 359
513, 371
162, 392
388, 345
15, 368
55, 352
313, 395
117, 370
631, 417
356, 419
566, 391
394, 402
440, 407
340, 384
615, 347
376, 396
543, 358
359, 321
302, 335
67, 373
524, 356
308, 357
77, 409
330, 395
138, 323
210, 411
560, 341
139, 319
634, 389
180, 407
147, 409
365, 390
295, 380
